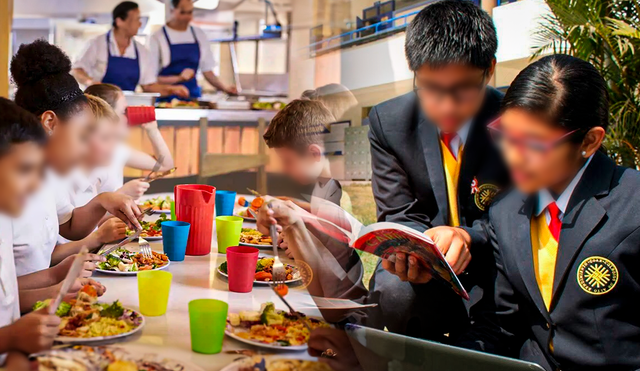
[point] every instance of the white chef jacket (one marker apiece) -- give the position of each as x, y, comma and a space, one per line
94, 59
35, 232
9, 302
161, 55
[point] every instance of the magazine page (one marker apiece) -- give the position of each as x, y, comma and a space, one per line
387, 239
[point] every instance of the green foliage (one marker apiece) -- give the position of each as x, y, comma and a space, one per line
607, 34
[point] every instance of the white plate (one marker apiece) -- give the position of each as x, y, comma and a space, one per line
161, 212
246, 217
68, 339
245, 363
262, 282
153, 238
269, 247
229, 332
118, 273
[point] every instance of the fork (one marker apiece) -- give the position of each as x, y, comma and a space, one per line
155, 168
145, 248
278, 273
292, 311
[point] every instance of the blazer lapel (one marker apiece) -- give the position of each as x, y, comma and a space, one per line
584, 214
433, 156
522, 235
475, 147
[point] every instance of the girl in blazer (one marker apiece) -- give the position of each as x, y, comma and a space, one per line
566, 240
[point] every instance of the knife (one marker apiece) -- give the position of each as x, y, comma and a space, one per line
73, 273
121, 243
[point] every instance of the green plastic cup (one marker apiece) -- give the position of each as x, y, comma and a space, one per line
153, 292
228, 230
173, 210
207, 320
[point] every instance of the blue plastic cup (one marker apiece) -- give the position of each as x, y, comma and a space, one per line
174, 239
225, 201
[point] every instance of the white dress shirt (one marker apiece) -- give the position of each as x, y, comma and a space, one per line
9, 301
545, 198
35, 232
94, 59
111, 178
461, 137
161, 55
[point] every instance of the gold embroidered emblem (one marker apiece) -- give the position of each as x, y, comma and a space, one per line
484, 195
597, 275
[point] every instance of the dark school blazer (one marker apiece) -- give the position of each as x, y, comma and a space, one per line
410, 188
593, 322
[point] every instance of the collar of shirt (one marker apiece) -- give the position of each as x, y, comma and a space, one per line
461, 136
129, 52
545, 198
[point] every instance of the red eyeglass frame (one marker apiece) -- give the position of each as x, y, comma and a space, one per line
522, 142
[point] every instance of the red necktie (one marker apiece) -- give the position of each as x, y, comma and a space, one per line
555, 224
446, 139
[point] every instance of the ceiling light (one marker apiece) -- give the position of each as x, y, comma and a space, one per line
206, 4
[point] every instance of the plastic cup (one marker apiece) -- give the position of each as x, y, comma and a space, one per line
207, 320
228, 230
173, 210
241, 267
174, 239
225, 201
153, 292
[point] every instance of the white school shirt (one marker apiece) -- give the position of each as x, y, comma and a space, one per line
461, 137
161, 55
35, 232
111, 178
9, 303
93, 59
545, 198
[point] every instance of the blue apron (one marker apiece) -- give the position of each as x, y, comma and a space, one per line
122, 72
183, 56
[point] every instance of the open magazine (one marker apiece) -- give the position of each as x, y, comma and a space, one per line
385, 239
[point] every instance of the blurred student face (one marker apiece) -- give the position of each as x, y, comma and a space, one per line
304, 167
121, 109
102, 143
132, 24
538, 154
68, 143
20, 176
451, 95
183, 13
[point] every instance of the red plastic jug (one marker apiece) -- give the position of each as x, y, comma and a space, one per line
195, 204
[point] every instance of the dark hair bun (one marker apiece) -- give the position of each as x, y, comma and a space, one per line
38, 60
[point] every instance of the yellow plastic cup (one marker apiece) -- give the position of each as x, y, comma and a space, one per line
228, 230
153, 292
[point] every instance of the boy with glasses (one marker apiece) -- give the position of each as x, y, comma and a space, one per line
434, 164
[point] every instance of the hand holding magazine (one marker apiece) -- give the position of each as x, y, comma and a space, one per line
384, 240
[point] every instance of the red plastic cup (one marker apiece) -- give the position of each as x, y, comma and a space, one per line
241, 267
138, 115
195, 204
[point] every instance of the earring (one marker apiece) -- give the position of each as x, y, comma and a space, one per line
584, 153
50, 132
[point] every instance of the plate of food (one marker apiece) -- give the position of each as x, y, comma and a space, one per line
276, 363
85, 320
135, 357
251, 237
128, 263
272, 328
254, 205
151, 231
264, 267
159, 205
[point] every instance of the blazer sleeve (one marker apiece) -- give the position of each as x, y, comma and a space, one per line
393, 194
495, 318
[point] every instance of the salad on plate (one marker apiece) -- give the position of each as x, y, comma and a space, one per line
158, 203
123, 260
264, 269
151, 230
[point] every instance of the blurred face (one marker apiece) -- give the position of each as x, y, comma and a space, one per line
102, 143
68, 142
304, 168
183, 13
538, 154
20, 176
121, 109
132, 24
451, 95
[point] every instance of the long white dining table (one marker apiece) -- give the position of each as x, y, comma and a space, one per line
197, 278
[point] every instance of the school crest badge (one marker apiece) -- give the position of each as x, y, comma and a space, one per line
597, 275
484, 194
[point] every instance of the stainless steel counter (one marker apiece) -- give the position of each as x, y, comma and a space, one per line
191, 117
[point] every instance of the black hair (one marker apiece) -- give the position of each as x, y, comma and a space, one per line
566, 91
175, 3
42, 73
17, 126
451, 31
122, 11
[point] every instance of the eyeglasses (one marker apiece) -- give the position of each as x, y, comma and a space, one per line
460, 93
525, 144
